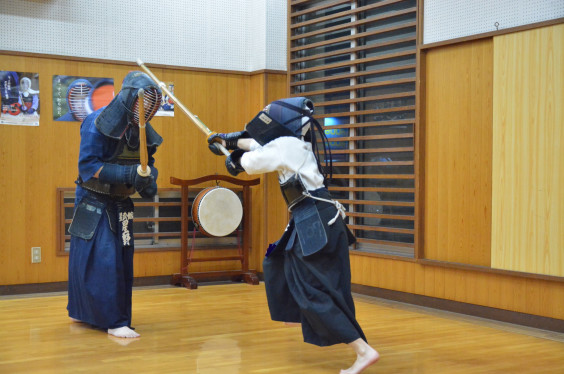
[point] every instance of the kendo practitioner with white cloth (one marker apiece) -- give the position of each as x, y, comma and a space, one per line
307, 271
28, 98
101, 248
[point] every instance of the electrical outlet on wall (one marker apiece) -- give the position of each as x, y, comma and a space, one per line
35, 255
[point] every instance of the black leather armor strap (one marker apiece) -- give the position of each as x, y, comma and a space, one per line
292, 191
119, 191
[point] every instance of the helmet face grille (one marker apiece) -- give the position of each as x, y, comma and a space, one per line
152, 102
77, 99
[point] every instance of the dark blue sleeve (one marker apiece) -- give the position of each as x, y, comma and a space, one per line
91, 152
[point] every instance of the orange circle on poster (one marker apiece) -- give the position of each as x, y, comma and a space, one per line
101, 96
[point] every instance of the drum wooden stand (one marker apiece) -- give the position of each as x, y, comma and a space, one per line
189, 280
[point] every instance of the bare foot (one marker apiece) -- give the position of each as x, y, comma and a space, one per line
123, 332
75, 320
365, 356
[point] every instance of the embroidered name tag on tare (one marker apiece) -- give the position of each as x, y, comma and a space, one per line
124, 218
310, 229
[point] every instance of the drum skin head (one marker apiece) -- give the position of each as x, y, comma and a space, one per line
217, 211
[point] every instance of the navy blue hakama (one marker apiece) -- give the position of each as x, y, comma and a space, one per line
101, 275
314, 290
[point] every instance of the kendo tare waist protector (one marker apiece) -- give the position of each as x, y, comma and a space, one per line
86, 217
309, 227
308, 224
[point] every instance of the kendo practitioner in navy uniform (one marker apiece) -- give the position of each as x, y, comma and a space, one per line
307, 271
101, 248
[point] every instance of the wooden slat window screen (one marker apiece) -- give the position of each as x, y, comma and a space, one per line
356, 60
157, 222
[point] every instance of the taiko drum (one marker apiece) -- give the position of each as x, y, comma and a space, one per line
217, 211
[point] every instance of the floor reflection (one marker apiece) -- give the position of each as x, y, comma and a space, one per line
219, 352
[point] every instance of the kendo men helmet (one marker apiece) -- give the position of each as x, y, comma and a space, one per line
293, 113
122, 111
285, 117
293, 117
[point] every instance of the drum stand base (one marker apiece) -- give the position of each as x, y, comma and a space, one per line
184, 281
190, 281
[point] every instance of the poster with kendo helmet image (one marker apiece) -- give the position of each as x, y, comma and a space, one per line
74, 98
19, 98
167, 105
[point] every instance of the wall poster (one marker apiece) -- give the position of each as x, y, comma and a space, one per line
19, 101
74, 98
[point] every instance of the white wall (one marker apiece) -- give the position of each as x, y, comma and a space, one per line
242, 35
450, 19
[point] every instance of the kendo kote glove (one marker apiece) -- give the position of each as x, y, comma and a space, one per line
233, 162
230, 140
124, 174
150, 190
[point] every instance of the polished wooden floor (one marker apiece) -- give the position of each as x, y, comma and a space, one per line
226, 329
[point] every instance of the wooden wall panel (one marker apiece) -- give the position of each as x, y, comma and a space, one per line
273, 219
457, 153
528, 152
260, 224
519, 294
277, 214
459, 136
37, 160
